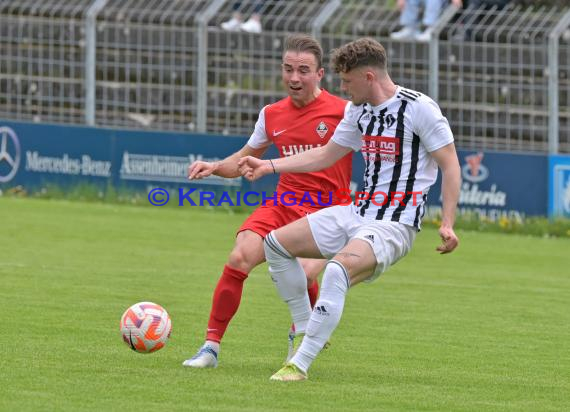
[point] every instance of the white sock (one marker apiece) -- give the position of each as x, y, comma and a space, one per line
290, 280
326, 314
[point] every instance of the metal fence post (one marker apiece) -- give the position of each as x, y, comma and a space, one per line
202, 65
553, 66
323, 16
90, 47
433, 75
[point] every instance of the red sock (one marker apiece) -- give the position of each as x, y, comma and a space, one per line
313, 291
225, 303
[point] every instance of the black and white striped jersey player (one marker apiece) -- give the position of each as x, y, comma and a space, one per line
404, 138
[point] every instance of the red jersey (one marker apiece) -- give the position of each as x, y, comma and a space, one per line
296, 129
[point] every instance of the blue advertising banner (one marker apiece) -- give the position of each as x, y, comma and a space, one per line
34, 155
498, 185
559, 186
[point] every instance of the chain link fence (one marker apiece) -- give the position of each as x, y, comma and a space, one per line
146, 64
501, 75
494, 78
42, 60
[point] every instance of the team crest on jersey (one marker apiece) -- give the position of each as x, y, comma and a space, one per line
390, 120
322, 129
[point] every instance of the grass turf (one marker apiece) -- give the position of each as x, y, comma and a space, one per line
485, 328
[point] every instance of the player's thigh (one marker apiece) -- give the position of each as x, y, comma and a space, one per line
248, 251
358, 259
390, 241
313, 267
297, 239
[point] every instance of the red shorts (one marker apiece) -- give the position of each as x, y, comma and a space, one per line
267, 218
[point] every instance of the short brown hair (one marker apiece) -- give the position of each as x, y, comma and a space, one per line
358, 53
303, 43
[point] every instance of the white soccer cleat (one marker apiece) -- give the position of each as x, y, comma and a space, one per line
206, 357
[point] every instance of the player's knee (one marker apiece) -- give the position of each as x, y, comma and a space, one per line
357, 264
312, 276
356, 270
313, 269
273, 249
244, 260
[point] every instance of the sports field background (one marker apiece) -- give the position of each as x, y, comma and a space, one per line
485, 328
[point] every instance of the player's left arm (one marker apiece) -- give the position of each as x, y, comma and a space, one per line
446, 158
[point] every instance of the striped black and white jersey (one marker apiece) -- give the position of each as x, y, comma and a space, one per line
395, 139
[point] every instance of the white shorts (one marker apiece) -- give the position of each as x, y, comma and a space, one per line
333, 227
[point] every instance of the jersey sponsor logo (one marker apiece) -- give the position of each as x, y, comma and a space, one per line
381, 144
322, 129
293, 149
275, 134
384, 147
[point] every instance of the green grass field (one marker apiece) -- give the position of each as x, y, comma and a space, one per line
486, 328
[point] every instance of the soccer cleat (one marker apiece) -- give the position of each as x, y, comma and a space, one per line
206, 357
288, 373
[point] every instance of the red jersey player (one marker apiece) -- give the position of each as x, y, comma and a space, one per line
305, 119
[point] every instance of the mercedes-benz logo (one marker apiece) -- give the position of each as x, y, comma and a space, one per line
10, 154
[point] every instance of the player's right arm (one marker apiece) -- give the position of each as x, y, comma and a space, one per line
227, 167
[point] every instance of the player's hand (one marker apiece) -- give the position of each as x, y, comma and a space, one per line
253, 168
449, 240
200, 169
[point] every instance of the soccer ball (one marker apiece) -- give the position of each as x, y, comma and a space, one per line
145, 327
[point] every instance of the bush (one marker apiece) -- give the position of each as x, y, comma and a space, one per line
534, 226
